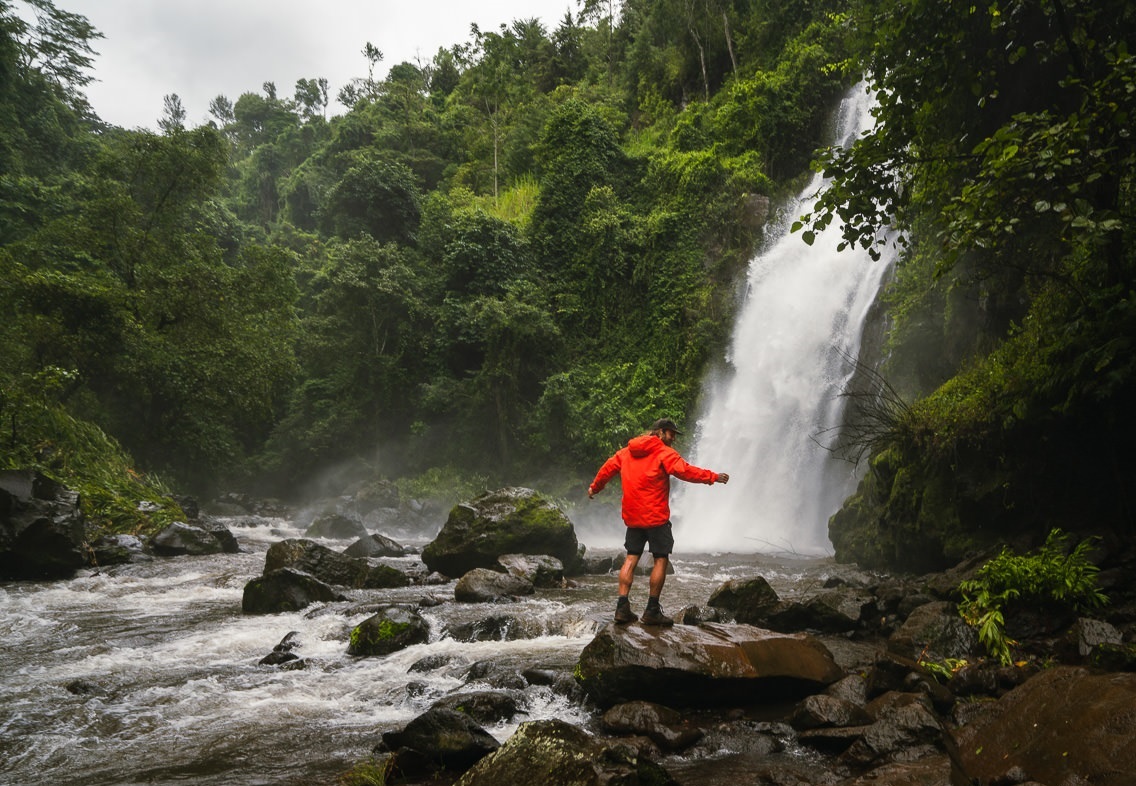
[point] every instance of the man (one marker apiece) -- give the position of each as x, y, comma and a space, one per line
645, 467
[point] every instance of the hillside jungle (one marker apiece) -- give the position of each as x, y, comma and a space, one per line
494, 266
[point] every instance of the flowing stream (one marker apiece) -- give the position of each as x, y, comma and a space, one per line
148, 673
769, 415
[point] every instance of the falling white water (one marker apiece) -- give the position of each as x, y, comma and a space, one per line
803, 315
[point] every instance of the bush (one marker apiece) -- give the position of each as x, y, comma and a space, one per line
1053, 573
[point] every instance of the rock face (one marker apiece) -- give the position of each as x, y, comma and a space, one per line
508, 521
1064, 726
702, 666
41, 527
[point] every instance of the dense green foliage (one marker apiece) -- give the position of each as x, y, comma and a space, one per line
504, 261
1054, 573
1004, 150
501, 263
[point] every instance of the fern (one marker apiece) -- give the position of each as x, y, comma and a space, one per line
1053, 573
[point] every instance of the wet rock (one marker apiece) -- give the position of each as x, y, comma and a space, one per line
1066, 725
391, 629
375, 545
430, 663
439, 739
708, 665
496, 627
181, 539
484, 706
663, 725
935, 631
335, 526
555, 753
496, 675
508, 521
118, 550
285, 589
331, 566
539, 569
41, 527
747, 600
818, 711
905, 733
228, 541
481, 585
282, 652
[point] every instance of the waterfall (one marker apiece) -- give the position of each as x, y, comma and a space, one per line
803, 315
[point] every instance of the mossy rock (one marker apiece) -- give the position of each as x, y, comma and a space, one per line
393, 628
508, 521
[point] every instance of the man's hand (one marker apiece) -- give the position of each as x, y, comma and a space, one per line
590, 492
723, 478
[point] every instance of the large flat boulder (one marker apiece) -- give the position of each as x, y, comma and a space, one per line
706, 665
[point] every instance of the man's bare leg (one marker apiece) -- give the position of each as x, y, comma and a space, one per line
627, 573
623, 613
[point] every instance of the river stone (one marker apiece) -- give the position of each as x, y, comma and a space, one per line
709, 665
481, 585
41, 527
555, 753
331, 566
1066, 725
439, 738
285, 589
541, 569
662, 725
748, 600
336, 526
375, 545
484, 706
508, 521
935, 631
181, 539
391, 629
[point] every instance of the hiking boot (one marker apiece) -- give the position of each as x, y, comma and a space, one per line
654, 616
624, 614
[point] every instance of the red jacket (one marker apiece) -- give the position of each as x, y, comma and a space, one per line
645, 467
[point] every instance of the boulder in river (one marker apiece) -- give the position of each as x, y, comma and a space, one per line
707, 665
180, 539
438, 739
552, 752
41, 527
481, 585
285, 589
392, 628
508, 521
331, 566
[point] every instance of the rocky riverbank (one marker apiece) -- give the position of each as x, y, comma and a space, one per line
858, 679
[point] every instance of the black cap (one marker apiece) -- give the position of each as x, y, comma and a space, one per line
665, 424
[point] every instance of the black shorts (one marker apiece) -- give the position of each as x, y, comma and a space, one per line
661, 539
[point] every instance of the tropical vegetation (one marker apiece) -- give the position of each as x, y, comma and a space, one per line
504, 261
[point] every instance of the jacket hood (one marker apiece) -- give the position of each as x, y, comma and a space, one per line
644, 445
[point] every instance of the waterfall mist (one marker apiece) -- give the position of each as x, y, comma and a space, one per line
778, 394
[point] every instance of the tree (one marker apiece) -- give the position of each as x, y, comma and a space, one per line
173, 120
376, 198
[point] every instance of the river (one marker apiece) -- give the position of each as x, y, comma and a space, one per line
148, 673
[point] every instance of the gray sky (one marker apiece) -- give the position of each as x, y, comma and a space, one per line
205, 48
